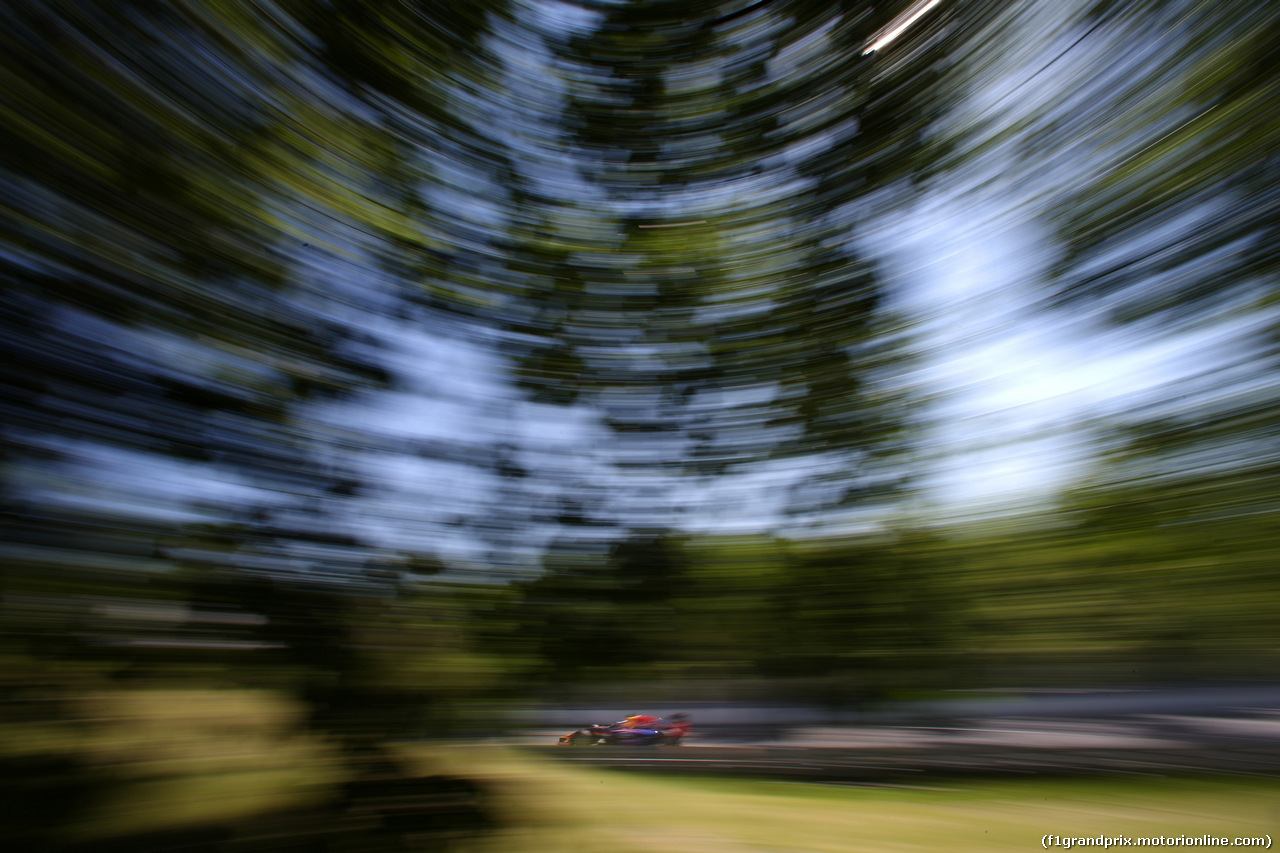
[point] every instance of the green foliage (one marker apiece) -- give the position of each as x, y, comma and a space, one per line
719, 274
856, 617
230, 708
1187, 192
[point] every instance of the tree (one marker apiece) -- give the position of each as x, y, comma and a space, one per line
717, 311
1186, 164
602, 611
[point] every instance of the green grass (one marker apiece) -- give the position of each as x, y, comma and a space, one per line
172, 758
555, 808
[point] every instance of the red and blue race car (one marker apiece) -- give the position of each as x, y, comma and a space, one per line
638, 730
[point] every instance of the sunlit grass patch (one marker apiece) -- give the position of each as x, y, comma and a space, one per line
553, 807
170, 758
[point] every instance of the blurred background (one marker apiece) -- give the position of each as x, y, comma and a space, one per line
379, 373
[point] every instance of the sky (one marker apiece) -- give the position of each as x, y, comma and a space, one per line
1025, 388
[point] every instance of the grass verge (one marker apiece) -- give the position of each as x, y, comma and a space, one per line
554, 808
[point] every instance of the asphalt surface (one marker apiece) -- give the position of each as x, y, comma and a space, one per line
858, 765
1242, 739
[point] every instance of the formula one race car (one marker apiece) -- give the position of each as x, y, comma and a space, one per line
639, 730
